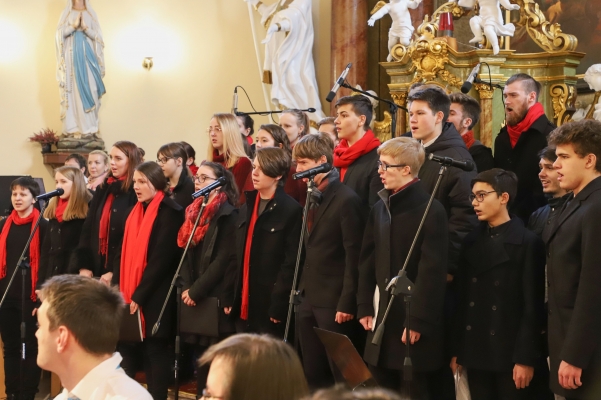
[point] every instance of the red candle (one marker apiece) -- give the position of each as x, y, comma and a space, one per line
445, 25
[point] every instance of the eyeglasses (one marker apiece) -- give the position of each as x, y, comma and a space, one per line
163, 160
385, 166
206, 395
211, 129
203, 178
480, 196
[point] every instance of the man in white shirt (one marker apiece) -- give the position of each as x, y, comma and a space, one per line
78, 330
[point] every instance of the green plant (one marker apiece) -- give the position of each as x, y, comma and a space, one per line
45, 136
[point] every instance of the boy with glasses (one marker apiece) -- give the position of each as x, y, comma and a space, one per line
501, 287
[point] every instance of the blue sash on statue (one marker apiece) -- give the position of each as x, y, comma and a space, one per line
83, 57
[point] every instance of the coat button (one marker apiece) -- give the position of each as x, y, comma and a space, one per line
494, 308
492, 333
114, 210
474, 280
272, 229
469, 328
496, 283
471, 303
550, 312
549, 254
112, 229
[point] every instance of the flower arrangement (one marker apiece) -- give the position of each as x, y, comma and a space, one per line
45, 136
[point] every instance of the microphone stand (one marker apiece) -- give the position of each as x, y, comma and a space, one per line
392, 105
294, 294
401, 284
157, 325
241, 113
23, 265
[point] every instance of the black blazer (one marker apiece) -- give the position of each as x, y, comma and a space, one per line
58, 246
182, 193
273, 256
330, 270
574, 273
390, 230
482, 156
501, 287
362, 176
86, 255
162, 257
210, 268
523, 160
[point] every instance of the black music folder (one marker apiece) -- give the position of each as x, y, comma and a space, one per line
202, 319
131, 326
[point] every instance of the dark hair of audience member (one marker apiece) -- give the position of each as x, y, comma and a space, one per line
280, 139
437, 100
26, 182
361, 106
529, 83
584, 136
471, 107
229, 188
500, 180
154, 174
274, 162
313, 147
81, 161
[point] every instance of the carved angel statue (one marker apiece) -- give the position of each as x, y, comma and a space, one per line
490, 21
402, 28
593, 78
288, 64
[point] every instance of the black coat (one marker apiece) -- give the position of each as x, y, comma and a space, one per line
523, 160
574, 273
330, 271
482, 156
273, 257
362, 176
182, 192
210, 268
541, 221
15, 243
454, 190
87, 255
501, 287
390, 230
162, 258
59, 243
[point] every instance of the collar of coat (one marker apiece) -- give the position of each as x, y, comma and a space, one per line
513, 234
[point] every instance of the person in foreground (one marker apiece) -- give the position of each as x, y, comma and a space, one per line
78, 329
249, 367
573, 267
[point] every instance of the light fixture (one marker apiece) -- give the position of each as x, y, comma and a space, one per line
147, 63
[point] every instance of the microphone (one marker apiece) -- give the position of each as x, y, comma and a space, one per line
325, 167
467, 85
49, 195
208, 189
235, 102
339, 82
466, 165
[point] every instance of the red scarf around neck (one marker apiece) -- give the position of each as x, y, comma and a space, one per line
34, 246
135, 247
534, 113
105, 218
246, 272
219, 158
60, 209
469, 139
345, 155
203, 225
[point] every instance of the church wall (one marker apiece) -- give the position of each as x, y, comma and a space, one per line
201, 50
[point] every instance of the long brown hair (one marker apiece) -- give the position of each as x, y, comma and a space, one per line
154, 174
134, 158
77, 206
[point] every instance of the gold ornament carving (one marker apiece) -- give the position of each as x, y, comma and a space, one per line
484, 91
546, 35
591, 111
562, 98
453, 80
400, 98
429, 57
383, 129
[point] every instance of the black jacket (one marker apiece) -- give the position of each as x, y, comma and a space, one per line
541, 221
523, 160
59, 244
574, 273
482, 156
87, 255
15, 243
330, 270
501, 287
182, 192
389, 233
362, 176
273, 254
454, 190
162, 259
210, 268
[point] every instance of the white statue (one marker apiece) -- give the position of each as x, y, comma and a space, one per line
402, 28
80, 68
593, 78
288, 64
490, 21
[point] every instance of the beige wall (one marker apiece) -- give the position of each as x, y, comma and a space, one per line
201, 50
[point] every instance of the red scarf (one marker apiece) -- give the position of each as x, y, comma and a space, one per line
249, 140
534, 113
60, 209
245, 278
105, 219
193, 169
469, 139
135, 247
344, 155
203, 225
34, 246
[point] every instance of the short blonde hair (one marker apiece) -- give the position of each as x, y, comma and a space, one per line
404, 150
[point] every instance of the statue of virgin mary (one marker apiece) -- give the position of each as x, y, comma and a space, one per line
80, 69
